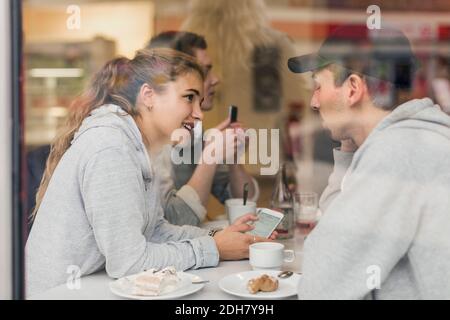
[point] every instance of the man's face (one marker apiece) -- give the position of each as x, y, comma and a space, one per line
329, 101
211, 79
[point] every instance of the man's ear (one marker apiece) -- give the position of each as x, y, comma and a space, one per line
356, 88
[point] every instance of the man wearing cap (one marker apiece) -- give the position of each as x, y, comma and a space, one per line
384, 231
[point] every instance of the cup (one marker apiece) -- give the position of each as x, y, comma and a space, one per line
235, 208
269, 255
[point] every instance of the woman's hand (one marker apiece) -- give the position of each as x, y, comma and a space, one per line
233, 244
251, 217
233, 142
227, 124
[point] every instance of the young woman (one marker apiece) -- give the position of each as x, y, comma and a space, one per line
98, 203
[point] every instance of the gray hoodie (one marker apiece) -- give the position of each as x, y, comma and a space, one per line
102, 209
386, 222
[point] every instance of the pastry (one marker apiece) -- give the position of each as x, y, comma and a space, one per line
264, 283
152, 283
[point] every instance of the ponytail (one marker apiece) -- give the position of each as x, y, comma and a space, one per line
96, 95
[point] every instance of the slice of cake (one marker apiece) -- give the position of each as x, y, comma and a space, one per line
151, 283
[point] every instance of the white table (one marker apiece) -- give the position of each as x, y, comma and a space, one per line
96, 286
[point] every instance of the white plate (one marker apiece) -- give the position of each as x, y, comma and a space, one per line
236, 284
122, 287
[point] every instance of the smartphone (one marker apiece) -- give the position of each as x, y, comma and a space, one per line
233, 113
267, 222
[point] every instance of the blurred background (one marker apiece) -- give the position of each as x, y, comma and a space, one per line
65, 42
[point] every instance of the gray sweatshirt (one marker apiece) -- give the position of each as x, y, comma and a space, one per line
386, 221
102, 209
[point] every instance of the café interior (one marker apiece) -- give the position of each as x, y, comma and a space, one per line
59, 61
249, 42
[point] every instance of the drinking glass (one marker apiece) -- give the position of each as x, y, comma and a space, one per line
307, 209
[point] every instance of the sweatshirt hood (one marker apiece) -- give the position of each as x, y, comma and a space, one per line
112, 116
416, 114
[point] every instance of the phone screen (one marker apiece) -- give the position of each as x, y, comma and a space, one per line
233, 113
265, 225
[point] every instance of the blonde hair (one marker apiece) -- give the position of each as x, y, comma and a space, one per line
232, 29
118, 82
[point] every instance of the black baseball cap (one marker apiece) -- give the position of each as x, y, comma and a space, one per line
372, 52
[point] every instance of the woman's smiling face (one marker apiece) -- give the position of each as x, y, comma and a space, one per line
177, 105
